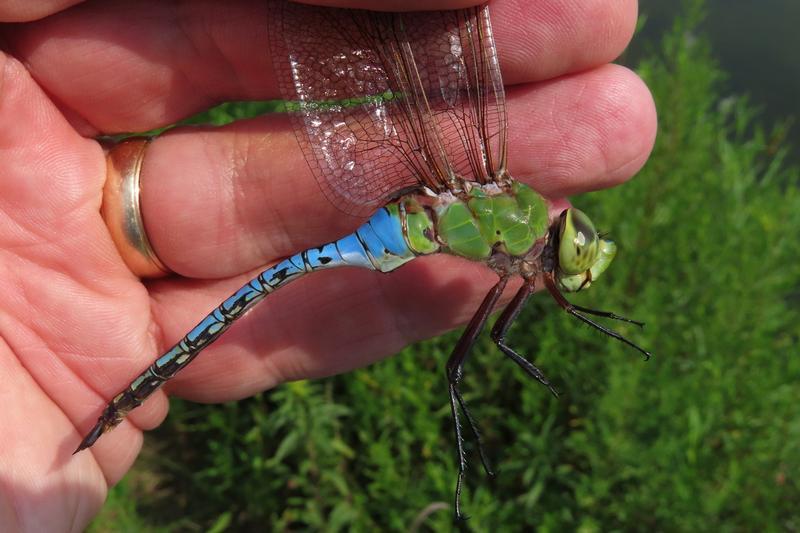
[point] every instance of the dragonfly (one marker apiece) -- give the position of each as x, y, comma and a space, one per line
403, 116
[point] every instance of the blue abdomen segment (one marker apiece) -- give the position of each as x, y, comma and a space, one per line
380, 241
379, 244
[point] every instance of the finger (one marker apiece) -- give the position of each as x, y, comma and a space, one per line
139, 65
219, 202
394, 5
35, 495
542, 40
67, 298
25, 10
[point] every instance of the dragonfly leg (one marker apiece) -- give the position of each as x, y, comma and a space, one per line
455, 366
576, 312
606, 314
462, 460
473, 427
501, 327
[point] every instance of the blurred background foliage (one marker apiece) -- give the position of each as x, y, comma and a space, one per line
705, 436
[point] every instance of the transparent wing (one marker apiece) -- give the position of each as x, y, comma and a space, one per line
385, 102
461, 76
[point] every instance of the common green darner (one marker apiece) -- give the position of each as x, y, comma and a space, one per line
405, 113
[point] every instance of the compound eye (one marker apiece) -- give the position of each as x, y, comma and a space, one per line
578, 243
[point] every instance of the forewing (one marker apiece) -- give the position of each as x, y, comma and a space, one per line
385, 102
459, 69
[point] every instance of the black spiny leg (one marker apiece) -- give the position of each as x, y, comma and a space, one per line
607, 314
575, 311
455, 367
509, 315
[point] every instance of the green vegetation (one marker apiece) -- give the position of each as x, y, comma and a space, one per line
704, 437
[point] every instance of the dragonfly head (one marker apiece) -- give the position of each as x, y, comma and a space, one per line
582, 254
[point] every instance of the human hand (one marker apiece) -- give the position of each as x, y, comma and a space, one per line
78, 325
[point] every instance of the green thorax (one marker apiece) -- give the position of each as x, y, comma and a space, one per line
511, 220
484, 220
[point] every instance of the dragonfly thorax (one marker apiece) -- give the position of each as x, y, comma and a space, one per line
482, 221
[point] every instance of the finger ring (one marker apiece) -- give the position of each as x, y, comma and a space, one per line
121, 208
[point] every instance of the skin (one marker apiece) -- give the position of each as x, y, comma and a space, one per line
75, 324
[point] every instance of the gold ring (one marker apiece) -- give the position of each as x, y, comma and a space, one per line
121, 208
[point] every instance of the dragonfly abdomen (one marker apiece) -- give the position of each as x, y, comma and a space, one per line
379, 244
